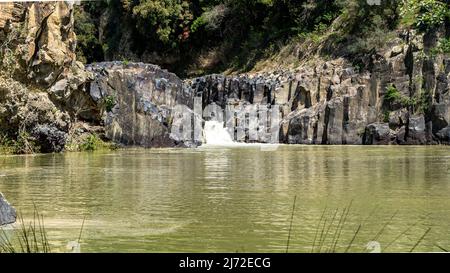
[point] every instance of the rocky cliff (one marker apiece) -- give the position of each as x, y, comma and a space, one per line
40, 78
399, 95
137, 101
333, 102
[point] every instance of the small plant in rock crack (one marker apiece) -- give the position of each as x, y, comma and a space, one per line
110, 102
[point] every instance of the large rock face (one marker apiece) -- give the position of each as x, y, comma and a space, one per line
32, 116
40, 79
38, 40
7, 212
137, 101
334, 103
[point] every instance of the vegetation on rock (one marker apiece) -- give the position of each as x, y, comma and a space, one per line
196, 37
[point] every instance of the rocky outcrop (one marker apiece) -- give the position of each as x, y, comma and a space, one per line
38, 42
32, 116
332, 102
7, 212
220, 89
378, 134
41, 81
137, 101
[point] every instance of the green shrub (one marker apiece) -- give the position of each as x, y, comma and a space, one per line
425, 14
125, 61
25, 144
6, 144
392, 94
443, 47
424, 101
94, 143
419, 103
198, 23
109, 102
386, 116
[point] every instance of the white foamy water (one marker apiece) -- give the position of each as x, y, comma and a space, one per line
215, 134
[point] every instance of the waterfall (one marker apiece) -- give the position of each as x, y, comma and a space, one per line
215, 134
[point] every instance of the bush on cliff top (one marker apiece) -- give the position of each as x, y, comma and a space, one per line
425, 15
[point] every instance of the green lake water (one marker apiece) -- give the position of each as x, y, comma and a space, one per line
237, 199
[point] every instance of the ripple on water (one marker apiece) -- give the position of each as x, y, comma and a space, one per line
229, 199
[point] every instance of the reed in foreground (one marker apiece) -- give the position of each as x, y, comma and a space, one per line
29, 237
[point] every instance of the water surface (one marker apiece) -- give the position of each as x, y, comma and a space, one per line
228, 199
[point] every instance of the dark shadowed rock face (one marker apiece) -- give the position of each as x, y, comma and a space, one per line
378, 134
444, 134
137, 100
221, 90
7, 212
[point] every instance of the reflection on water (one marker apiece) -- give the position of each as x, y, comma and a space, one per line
235, 198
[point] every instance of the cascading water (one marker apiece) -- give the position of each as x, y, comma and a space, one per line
215, 134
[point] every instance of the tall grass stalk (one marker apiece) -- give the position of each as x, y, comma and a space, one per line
290, 226
340, 226
29, 237
353, 238
324, 237
420, 240
332, 224
317, 228
403, 233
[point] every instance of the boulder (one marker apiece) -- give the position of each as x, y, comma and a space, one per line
440, 116
398, 118
7, 212
136, 100
377, 134
444, 135
416, 130
334, 115
302, 124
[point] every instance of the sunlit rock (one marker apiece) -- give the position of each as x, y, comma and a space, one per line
7, 212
